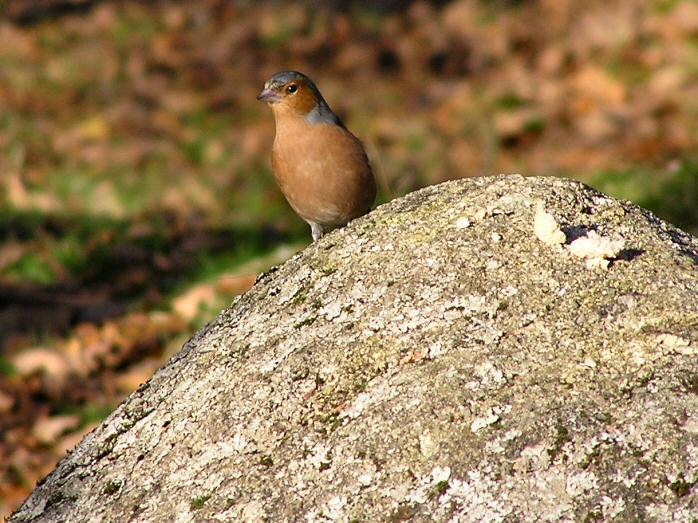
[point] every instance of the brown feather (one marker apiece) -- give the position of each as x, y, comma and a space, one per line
321, 167
322, 170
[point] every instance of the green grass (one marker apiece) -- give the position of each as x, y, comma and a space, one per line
6, 368
671, 194
140, 26
664, 6
199, 501
511, 101
89, 413
31, 268
94, 413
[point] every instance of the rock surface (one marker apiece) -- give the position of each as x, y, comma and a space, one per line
433, 361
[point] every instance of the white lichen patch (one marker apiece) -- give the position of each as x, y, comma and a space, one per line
283, 351
492, 416
492, 265
499, 445
320, 456
692, 457
494, 447
490, 376
335, 508
508, 292
596, 250
691, 424
357, 406
253, 511
289, 292
421, 493
427, 446
589, 363
484, 421
546, 228
470, 304
218, 451
380, 391
580, 483
511, 435
663, 512
676, 344
332, 310
332, 510
462, 223
534, 457
435, 350
366, 478
611, 507
473, 499
240, 442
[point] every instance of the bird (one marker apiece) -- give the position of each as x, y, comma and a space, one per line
320, 166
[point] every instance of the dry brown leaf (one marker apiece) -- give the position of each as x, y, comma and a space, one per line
19, 197
513, 123
10, 252
48, 430
136, 375
70, 441
189, 304
105, 201
596, 126
459, 17
685, 17
6, 402
594, 84
40, 359
235, 283
93, 128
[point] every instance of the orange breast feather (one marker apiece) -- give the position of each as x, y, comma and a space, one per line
323, 171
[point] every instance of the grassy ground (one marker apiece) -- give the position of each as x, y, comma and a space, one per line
136, 197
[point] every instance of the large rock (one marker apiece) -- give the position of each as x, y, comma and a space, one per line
434, 361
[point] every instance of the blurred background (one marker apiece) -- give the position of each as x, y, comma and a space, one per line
136, 196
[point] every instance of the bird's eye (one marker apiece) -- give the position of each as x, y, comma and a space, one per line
291, 88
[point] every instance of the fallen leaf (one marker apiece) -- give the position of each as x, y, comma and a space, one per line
189, 304
10, 252
95, 128
136, 375
48, 430
70, 441
235, 284
6, 402
41, 359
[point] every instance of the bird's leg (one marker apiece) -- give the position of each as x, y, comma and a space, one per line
316, 230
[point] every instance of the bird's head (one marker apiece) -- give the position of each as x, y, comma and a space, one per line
292, 93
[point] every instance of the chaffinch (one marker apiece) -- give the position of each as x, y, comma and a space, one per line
320, 166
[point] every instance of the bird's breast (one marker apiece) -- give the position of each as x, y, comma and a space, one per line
323, 171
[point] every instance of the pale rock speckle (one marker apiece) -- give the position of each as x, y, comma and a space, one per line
581, 482
546, 228
612, 507
596, 250
492, 416
427, 446
421, 493
462, 223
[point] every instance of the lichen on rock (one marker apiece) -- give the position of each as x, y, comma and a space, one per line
410, 367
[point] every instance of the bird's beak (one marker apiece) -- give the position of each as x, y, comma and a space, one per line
268, 96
